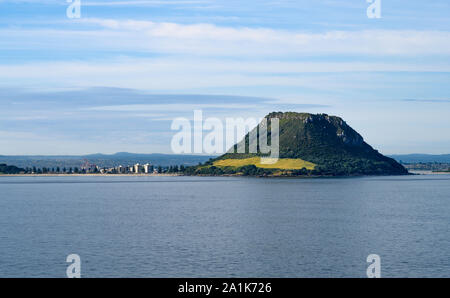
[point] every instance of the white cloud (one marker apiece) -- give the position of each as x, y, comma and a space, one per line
197, 56
212, 40
181, 73
141, 3
114, 3
167, 107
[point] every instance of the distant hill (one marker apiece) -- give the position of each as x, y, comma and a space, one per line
422, 158
102, 160
310, 144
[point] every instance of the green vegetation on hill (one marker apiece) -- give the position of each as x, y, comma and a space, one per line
326, 141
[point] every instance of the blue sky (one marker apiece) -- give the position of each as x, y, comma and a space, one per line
114, 79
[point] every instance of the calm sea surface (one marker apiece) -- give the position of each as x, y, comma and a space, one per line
224, 227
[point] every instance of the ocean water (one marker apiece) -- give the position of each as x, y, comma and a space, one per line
224, 227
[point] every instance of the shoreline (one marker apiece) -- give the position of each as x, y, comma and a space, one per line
229, 175
423, 172
89, 175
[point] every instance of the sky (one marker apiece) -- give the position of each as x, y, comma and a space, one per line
115, 78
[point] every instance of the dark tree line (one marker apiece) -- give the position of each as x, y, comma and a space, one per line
57, 170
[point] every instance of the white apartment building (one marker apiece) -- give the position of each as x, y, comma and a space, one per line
138, 169
147, 168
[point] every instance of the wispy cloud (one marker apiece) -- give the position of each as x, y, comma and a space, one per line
143, 3
167, 107
181, 73
106, 119
427, 100
113, 3
211, 39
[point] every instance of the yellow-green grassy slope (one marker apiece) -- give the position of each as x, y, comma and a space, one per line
282, 163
